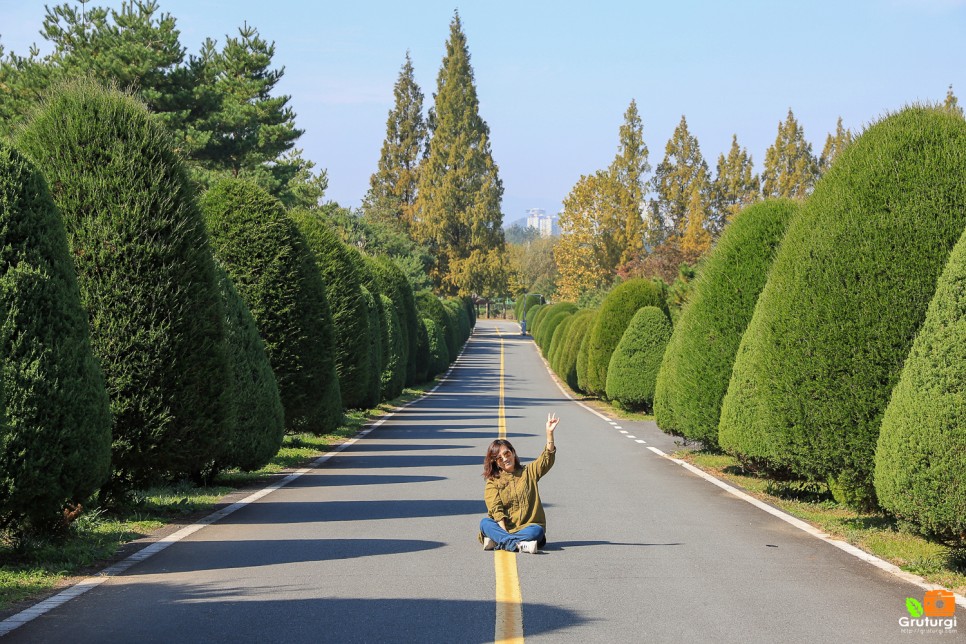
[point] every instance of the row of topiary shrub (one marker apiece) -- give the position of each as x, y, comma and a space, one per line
848, 368
614, 353
151, 336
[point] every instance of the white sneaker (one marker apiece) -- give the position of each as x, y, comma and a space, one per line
488, 544
529, 547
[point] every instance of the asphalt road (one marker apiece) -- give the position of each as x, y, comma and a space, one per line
379, 543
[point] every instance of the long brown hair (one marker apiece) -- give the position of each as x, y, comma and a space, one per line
490, 468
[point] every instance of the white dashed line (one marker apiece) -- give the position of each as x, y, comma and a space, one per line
618, 427
629, 436
623, 431
640, 441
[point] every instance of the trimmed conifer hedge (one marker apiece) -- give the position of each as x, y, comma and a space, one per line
583, 351
557, 341
275, 272
352, 341
616, 312
532, 313
632, 372
438, 353
577, 331
461, 317
697, 365
430, 306
844, 299
258, 420
56, 421
394, 371
393, 282
374, 310
555, 316
920, 459
423, 358
146, 277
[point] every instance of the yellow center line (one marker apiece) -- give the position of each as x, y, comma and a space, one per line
509, 603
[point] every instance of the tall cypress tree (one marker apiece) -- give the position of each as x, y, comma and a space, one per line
392, 188
790, 167
459, 190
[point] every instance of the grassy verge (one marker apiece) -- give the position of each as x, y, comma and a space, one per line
33, 567
875, 533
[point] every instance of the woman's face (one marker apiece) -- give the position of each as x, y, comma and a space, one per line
505, 459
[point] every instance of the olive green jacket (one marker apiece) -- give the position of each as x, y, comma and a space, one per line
513, 496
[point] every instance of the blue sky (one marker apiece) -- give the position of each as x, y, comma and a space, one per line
554, 78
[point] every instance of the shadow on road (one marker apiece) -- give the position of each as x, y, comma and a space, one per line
282, 512
563, 545
203, 613
339, 480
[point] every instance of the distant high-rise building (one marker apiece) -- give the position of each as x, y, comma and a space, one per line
545, 224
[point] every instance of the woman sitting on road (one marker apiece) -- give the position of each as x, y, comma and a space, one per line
515, 518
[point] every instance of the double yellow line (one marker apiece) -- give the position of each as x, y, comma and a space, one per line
509, 603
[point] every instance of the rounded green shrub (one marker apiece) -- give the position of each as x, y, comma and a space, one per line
275, 272
438, 352
632, 372
845, 297
538, 319
56, 421
258, 426
422, 365
430, 306
697, 365
350, 318
557, 341
463, 327
616, 312
377, 323
577, 332
554, 316
583, 351
374, 383
921, 452
146, 277
393, 283
532, 313
394, 371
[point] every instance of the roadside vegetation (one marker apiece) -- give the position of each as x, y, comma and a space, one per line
36, 564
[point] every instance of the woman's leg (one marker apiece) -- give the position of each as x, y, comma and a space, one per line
532, 532
492, 529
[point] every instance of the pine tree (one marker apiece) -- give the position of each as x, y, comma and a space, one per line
392, 188
459, 189
735, 186
136, 47
674, 182
790, 167
834, 145
251, 130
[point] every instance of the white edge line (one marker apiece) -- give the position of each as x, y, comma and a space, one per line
798, 523
76, 590
810, 529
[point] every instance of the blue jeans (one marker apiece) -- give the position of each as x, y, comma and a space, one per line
509, 540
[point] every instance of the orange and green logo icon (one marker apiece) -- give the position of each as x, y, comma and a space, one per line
936, 603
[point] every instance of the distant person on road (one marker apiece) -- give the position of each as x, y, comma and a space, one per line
515, 520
